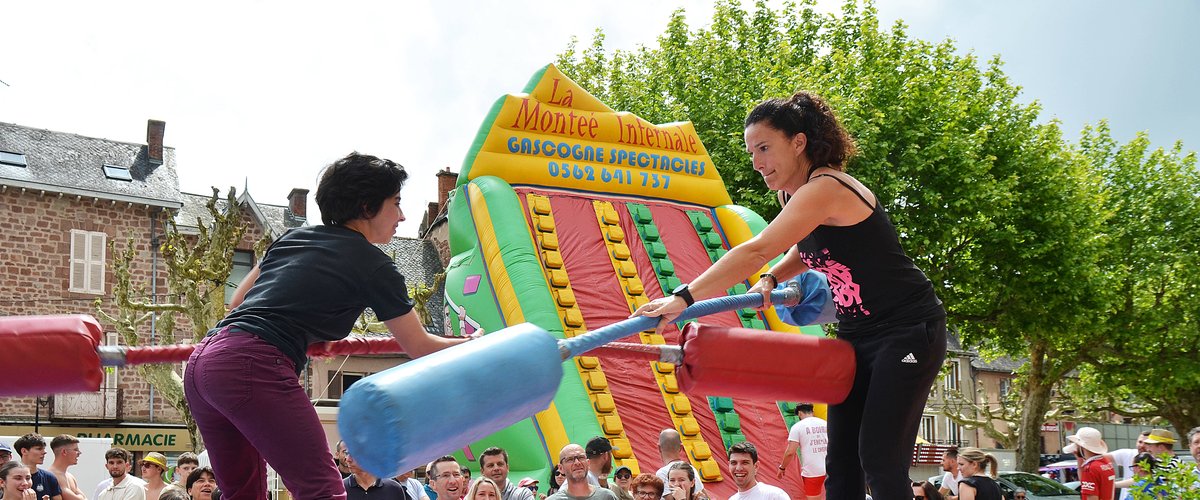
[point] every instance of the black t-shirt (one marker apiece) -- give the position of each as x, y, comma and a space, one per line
313, 283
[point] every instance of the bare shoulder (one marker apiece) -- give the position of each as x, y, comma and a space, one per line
828, 179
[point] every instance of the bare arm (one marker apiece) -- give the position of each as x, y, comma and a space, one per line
788, 455
240, 294
966, 491
411, 335
70, 488
812, 205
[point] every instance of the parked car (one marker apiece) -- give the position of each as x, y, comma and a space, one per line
1036, 487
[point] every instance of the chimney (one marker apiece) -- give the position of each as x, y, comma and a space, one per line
154, 141
298, 203
446, 182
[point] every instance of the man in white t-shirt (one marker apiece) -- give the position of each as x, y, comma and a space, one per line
1124, 459
670, 449
809, 439
743, 465
950, 479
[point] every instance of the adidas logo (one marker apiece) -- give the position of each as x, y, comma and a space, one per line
909, 359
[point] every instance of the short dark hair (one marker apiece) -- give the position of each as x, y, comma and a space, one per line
443, 458
745, 447
493, 451
951, 452
804, 408
829, 145
120, 453
31, 440
62, 440
195, 476
187, 457
650, 479
356, 186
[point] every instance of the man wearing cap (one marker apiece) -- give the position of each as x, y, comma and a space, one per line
1122, 459
1096, 472
531, 485
66, 454
154, 470
6, 453
1162, 442
600, 462
670, 449
493, 464
622, 483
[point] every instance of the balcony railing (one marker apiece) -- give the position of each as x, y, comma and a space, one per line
101, 405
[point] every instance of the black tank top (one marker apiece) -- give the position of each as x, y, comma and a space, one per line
985, 487
874, 283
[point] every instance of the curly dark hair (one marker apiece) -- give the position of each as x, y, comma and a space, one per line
356, 186
829, 145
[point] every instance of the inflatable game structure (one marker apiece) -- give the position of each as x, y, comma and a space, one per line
570, 215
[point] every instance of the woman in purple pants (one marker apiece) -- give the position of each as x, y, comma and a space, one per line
242, 381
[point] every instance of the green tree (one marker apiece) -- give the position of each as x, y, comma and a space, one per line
994, 206
198, 268
1151, 322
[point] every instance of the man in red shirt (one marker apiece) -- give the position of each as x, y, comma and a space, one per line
1096, 472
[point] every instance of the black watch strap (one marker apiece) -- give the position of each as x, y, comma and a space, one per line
684, 293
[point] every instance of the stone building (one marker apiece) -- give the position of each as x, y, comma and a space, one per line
64, 199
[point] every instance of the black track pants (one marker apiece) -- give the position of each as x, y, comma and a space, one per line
871, 434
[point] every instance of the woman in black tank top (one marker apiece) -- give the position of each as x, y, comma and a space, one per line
886, 306
976, 484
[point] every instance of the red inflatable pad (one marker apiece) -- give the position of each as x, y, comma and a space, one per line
49, 355
765, 365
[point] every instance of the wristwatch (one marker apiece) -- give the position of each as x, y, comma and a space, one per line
682, 292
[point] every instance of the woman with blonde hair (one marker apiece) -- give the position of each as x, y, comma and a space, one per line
973, 463
483, 489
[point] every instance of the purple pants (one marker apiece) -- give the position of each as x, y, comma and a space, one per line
251, 410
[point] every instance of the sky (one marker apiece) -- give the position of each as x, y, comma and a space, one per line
265, 93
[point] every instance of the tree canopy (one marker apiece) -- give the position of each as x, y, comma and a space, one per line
1009, 220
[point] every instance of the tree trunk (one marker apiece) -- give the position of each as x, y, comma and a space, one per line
1036, 395
1182, 414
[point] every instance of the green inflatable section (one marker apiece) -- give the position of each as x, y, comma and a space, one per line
472, 303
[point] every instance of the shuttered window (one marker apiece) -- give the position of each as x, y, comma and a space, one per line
87, 262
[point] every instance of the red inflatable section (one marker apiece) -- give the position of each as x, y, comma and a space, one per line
765, 365
62, 348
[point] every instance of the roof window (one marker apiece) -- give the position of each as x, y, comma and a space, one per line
117, 173
14, 159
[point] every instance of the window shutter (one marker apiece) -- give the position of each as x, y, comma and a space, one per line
78, 261
96, 262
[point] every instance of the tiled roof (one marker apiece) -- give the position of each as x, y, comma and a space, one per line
275, 217
73, 164
1002, 364
418, 261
